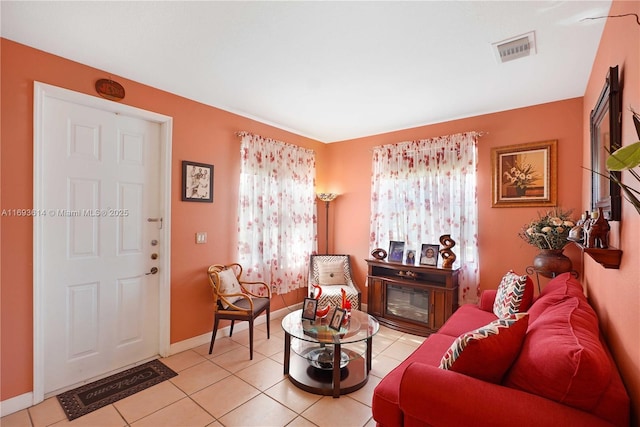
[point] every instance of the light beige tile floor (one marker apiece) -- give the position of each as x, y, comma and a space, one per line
227, 389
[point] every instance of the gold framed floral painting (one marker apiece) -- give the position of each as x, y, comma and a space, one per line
525, 174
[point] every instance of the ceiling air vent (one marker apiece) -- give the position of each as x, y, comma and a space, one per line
516, 47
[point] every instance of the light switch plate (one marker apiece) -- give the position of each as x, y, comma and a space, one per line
201, 237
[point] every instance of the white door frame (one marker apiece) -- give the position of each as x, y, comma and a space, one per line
41, 92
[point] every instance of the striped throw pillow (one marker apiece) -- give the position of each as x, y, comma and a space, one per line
510, 294
488, 352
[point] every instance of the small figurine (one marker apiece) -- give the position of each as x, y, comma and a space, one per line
379, 253
596, 231
577, 231
447, 254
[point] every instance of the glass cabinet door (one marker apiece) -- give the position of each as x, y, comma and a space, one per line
409, 303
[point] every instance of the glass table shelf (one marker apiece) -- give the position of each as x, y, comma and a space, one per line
325, 361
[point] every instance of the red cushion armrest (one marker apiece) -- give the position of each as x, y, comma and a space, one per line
487, 298
432, 396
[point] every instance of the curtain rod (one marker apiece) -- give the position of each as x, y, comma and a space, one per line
266, 138
476, 133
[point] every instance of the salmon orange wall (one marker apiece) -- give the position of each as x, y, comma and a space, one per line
499, 245
200, 133
615, 294
205, 134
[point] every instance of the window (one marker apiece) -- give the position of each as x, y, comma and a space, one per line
424, 189
277, 212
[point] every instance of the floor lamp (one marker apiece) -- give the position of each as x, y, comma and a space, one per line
327, 198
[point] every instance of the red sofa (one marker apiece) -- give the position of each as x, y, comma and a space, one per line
562, 374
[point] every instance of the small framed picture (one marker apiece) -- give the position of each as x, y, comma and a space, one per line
336, 319
396, 251
310, 306
197, 182
429, 255
411, 257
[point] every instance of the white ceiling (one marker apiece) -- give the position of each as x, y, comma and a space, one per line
326, 70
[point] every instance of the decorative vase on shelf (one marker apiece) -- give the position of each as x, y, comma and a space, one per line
551, 262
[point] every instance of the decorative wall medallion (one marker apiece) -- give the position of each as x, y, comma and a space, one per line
109, 89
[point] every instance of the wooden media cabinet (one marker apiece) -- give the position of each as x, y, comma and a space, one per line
416, 299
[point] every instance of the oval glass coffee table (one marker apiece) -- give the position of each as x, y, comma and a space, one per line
325, 361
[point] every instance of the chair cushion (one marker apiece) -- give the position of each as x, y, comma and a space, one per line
331, 273
332, 295
514, 295
229, 285
488, 352
259, 304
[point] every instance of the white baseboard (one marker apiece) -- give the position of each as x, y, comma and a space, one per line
16, 404
187, 344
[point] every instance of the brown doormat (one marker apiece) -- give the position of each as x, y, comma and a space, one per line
89, 397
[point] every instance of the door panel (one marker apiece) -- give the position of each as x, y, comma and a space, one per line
130, 322
83, 230
82, 320
101, 181
129, 231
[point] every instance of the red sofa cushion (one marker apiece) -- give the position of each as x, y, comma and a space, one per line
385, 404
563, 284
557, 289
487, 298
466, 318
562, 358
488, 352
434, 397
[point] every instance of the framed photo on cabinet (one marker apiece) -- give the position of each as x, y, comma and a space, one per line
396, 251
410, 258
429, 255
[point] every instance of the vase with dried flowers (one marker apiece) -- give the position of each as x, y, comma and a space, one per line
549, 233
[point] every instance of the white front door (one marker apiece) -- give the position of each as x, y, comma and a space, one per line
100, 219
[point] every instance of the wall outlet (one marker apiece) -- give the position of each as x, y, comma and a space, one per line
201, 237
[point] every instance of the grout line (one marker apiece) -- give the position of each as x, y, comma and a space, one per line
241, 349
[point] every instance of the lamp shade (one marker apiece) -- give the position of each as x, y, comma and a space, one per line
327, 197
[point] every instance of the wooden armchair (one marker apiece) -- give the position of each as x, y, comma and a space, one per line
234, 301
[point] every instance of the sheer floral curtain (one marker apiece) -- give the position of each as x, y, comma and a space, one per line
424, 189
277, 212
